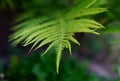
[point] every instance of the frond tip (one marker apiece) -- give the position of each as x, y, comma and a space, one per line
57, 31
59, 53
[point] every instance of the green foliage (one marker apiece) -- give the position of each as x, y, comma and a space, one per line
112, 18
112, 28
114, 8
5, 3
56, 27
117, 79
34, 69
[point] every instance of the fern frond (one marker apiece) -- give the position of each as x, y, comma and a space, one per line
91, 3
78, 13
57, 31
85, 3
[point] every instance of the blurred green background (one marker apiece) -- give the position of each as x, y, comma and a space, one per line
97, 59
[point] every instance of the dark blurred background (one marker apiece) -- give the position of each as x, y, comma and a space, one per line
97, 59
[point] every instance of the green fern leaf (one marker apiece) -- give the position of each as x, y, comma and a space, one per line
58, 31
83, 12
85, 3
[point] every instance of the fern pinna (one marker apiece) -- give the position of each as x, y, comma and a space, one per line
58, 28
